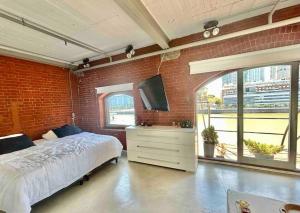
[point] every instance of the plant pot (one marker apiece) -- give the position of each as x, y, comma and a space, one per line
263, 156
209, 150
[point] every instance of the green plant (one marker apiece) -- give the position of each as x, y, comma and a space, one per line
266, 149
214, 100
210, 135
186, 124
222, 149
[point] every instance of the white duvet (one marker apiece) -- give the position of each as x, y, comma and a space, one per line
32, 174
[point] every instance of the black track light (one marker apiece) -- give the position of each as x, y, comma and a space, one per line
86, 63
213, 26
129, 51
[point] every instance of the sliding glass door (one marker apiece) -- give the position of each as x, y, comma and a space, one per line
255, 113
265, 114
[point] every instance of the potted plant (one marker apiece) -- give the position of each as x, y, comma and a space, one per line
186, 124
261, 150
210, 139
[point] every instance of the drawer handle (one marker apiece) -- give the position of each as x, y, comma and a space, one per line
177, 163
156, 136
149, 147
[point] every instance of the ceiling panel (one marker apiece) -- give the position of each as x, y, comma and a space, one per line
100, 23
180, 18
20, 37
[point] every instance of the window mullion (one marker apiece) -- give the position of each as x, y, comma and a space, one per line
240, 125
293, 115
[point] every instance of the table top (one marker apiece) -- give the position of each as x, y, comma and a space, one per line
258, 204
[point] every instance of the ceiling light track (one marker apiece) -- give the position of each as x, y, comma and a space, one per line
201, 42
109, 55
32, 56
37, 27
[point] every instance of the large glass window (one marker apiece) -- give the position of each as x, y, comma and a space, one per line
254, 113
119, 108
266, 107
217, 107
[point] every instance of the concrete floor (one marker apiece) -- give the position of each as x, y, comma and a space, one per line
133, 187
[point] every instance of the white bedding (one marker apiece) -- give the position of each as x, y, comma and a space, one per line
32, 174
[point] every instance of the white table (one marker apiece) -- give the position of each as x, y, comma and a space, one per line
258, 204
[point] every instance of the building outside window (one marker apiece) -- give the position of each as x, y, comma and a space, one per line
119, 109
251, 111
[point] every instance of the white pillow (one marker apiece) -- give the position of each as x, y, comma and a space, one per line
50, 135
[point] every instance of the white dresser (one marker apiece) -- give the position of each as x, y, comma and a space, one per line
163, 146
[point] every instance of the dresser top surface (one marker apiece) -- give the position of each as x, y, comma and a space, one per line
160, 128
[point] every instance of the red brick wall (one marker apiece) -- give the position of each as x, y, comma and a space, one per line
179, 84
34, 97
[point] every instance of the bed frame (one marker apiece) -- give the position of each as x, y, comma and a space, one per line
87, 176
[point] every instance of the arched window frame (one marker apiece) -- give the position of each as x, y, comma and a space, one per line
106, 111
293, 110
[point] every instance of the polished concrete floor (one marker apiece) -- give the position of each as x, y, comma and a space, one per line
133, 187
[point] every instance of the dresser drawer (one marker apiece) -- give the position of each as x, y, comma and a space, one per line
187, 164
162, 137
161, 148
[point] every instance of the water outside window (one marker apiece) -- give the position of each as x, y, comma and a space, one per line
265, 112
217, 106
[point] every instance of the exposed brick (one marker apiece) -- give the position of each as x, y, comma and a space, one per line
34, 97
39, 94
180, 86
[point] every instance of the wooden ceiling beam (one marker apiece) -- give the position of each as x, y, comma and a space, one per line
136, 10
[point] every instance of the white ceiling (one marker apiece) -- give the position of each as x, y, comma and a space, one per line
178, 18
102, 24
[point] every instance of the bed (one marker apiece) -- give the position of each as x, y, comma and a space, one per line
33, 174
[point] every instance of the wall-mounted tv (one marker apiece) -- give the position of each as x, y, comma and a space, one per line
153, 94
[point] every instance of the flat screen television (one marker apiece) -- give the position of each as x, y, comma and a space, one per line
153, 94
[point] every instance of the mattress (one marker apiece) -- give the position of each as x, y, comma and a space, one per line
33, 174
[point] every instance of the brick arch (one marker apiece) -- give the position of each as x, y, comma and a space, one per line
213, 77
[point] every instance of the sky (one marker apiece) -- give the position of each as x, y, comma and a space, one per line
215, 87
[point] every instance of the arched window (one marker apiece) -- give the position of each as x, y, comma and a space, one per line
119, 110
254, 113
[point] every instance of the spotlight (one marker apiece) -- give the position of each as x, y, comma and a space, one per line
86, 63
206, 34
129, 51
132, 52
211, 25
128, 55
216, 31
